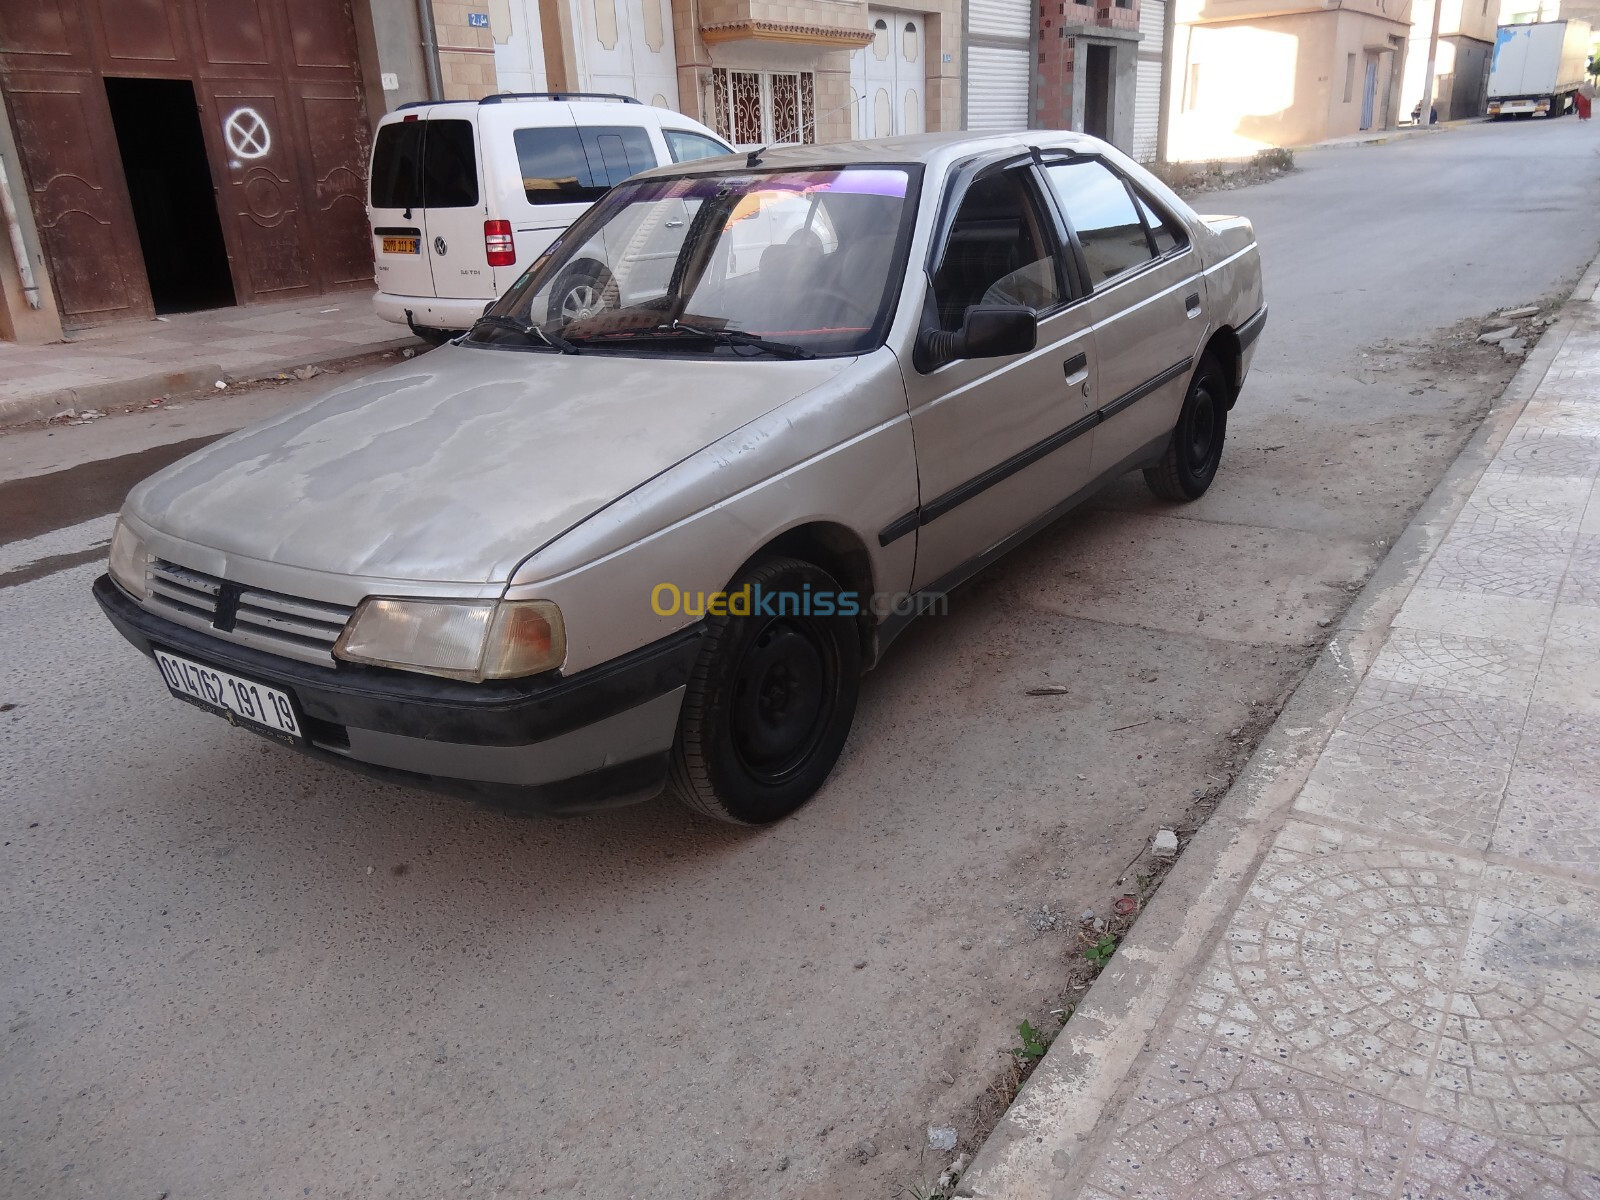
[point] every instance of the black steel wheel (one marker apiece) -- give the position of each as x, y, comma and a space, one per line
771, 699
1195, 451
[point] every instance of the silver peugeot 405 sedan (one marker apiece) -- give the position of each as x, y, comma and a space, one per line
579, 555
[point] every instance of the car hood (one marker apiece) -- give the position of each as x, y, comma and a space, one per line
456, 466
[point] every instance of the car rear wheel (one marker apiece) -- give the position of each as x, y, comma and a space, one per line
584, 289
770, 701
1195, 451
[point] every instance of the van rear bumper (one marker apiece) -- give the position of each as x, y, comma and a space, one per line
430, 311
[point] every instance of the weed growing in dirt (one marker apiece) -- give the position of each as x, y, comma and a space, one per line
1033, 1043
1100, 953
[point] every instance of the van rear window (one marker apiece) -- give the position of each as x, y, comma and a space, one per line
425, 164
578, 166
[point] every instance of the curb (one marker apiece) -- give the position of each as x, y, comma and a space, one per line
1037, 1151
189, 382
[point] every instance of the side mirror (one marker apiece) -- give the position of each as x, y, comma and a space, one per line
487, 307
987, 331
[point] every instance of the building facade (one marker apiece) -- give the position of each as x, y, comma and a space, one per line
1249, 74
1461, 58
758, 71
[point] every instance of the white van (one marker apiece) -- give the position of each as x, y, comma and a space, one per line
464, 194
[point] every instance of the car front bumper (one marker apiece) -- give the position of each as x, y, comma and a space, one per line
550, 745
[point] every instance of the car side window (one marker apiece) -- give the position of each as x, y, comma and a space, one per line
563, 165
1100, 207
1163, 232
686, 146
997, 251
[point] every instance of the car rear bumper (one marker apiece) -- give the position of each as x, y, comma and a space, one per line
430, 311
595, 740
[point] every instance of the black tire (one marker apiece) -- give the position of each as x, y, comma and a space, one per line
585, 288
436, 337
1192, 456
769, 704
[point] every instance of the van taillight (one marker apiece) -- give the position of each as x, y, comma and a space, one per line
497, 241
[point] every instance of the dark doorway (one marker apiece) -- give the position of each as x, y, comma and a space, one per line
1097, 92
169, 182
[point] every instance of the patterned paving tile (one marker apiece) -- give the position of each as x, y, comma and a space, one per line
1552, 454
1449, 1161
1457, 663
1469, 562
1559, 417
1560, 741
1453, 800
1474, 615
1209, 1121
1582, 584
1556, 505
1520, 1052
1550, 818
1386, 717
1339, 960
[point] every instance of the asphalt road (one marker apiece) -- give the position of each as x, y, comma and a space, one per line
227, 972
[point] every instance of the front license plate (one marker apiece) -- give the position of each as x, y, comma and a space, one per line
241, 701
400, 245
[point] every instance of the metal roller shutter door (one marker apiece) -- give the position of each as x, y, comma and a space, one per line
1147, 80
997, 88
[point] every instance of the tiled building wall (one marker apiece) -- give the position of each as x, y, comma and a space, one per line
466, 51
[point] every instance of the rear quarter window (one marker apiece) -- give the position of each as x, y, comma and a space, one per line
686, 146
579, 165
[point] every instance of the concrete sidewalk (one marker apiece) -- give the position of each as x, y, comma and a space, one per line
131, 362
1376, 970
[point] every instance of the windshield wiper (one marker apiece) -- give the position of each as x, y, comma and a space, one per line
554, 340
738, 337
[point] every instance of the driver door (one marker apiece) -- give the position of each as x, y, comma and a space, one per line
1000, 441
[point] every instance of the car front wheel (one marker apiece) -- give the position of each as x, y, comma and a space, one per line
1192, 456
771, 698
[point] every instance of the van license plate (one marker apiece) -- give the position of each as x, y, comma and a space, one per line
401, 245
241, 701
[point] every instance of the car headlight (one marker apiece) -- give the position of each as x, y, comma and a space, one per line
130, 562
458, 639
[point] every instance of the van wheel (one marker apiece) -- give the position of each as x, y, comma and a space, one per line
1190, 462
770, 701
584, 289
436, 337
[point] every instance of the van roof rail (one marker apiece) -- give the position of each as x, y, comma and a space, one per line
501, 97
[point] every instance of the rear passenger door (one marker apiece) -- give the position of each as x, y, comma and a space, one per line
566, 168
1147, 304
1000, 441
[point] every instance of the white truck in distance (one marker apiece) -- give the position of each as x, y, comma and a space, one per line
1538, 68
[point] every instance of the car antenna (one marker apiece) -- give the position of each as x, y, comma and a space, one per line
754, 157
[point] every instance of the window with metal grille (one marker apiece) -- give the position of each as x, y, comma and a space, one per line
764, 107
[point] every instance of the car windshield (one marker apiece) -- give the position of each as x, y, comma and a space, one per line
788, 263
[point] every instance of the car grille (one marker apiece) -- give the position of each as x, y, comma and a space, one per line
270, 621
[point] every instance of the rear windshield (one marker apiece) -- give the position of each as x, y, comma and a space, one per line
578, 166
425, 164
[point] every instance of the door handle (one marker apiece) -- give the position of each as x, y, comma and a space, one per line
1076, 369
1191, 304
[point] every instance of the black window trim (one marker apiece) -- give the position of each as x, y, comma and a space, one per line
1062, 156
1070, 273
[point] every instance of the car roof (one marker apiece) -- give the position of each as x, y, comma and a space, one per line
931, 148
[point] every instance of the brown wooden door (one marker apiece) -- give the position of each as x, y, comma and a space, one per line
281, 108
70, 162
